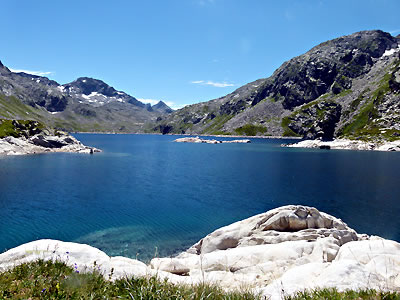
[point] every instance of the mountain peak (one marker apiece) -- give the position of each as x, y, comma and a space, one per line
88, 85
162, 107
4, 68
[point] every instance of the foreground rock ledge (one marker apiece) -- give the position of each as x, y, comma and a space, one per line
199, 140
42, 143
277, 253
347, 145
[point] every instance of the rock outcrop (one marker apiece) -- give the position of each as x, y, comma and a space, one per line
276, 253
43, 144
19, 137
347, 145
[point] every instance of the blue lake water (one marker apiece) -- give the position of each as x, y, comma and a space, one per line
145, 194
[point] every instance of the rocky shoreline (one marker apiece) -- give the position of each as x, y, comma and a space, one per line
346, 145
207, 141
41, 143
276, 254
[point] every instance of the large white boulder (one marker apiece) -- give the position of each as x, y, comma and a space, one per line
286, 250
286, 223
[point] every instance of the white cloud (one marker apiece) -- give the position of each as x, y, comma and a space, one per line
212, 83
37, 73
176, 105
151, 101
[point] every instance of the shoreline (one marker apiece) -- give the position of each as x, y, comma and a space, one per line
194, 135
346, 144
266, 253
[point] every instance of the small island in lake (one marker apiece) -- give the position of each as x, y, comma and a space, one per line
207, 141
18, 137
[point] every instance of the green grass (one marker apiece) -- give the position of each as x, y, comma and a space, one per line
54, 280
251, 130
334, 294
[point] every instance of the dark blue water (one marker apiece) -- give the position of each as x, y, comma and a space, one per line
145, 193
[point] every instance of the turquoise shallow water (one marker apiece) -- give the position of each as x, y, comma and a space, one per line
145, 195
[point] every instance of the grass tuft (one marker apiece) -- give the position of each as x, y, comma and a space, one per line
334, 294
55, 280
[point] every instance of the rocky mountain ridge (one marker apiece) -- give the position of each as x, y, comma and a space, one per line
346, 87
85, 104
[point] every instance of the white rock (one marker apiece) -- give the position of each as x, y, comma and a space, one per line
20, 146
79, 256
347, 144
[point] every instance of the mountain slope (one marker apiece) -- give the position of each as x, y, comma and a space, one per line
344, 87
85, 104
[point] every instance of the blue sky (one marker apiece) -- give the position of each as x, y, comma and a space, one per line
181, 52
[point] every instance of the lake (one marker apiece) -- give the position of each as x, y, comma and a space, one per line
146, 196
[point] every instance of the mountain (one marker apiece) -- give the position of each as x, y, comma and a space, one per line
85, 104
346, 87
97, 93
162, 107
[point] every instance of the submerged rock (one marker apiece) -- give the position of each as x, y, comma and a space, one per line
276, 253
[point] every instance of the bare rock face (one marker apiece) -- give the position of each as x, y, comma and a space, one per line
287, 223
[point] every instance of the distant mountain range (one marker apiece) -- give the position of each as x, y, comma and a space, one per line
85, 104
346, 87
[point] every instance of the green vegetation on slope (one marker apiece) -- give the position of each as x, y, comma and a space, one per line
54, 280
18, 128
12, 108
216, 124
251, 130
286, 130
363, 125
